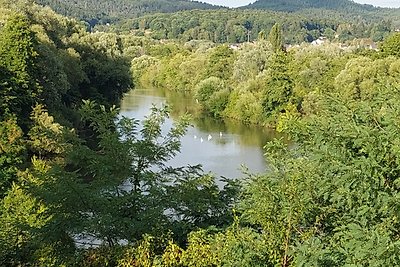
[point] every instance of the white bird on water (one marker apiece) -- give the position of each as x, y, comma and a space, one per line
195, 136
209, 137
201, 140
220, 134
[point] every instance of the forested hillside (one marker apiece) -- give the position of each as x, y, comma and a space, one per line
296, 5
106, 11
238, 26
345, 9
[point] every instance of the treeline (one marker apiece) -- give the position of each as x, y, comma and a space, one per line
49, 59
105, 11
254, 82
238, 26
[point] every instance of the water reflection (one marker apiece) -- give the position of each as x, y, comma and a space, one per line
222, 147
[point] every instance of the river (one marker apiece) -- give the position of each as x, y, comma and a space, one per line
222, 147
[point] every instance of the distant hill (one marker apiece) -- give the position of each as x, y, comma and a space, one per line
297, 5
346, 9
105, 11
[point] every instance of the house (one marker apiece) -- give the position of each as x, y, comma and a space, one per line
319, 41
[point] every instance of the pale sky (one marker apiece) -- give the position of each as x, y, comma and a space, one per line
237, 3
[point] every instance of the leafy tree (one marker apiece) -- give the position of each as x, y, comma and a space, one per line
46, 136
207, 87
220, 62
350, 174
251, 60
19, 90
245, 105
139, 65
23, 219
363, 78
11, 153
121, 180
212, 94
391, 45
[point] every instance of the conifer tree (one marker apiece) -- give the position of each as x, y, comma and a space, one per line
275, 37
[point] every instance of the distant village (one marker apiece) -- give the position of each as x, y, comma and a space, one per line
354, 44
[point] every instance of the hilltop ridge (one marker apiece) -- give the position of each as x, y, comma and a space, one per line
105, 11
297, 5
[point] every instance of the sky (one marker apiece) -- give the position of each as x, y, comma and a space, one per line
236, 3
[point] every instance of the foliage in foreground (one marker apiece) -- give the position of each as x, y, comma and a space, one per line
330, 197
114, 190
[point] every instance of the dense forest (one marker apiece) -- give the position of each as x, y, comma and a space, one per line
302, 20
335, 8
295, 5
82, 186
238, 26
105, 11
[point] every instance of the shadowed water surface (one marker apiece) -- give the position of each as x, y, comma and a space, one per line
221, 146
